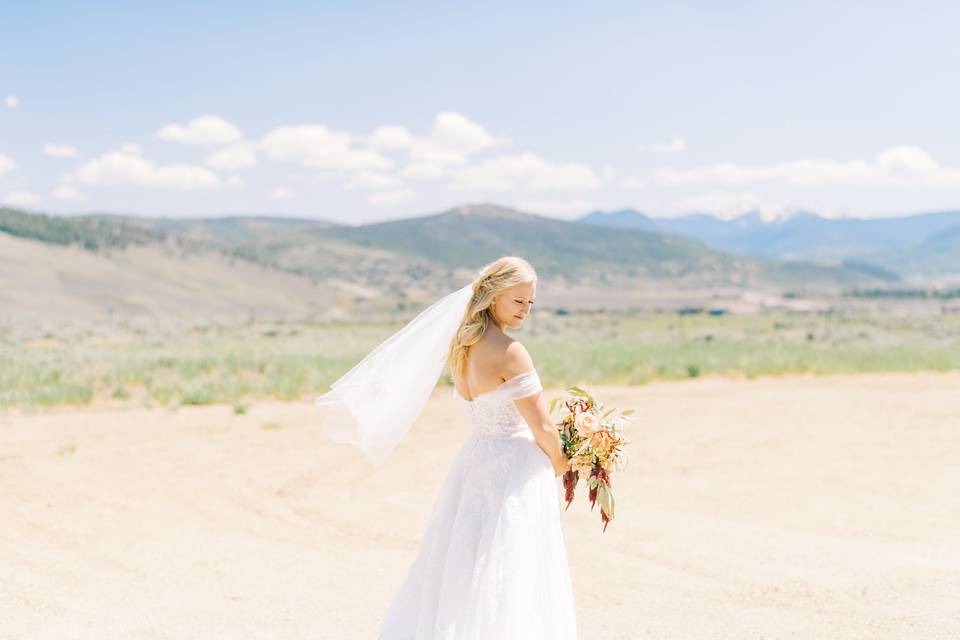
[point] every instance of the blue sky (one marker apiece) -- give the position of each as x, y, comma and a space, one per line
358, 112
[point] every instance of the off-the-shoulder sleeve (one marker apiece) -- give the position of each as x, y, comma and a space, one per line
521, 385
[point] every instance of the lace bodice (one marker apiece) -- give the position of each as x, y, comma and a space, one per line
493, 414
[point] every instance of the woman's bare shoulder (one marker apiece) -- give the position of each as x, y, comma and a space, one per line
517, 359
505, 355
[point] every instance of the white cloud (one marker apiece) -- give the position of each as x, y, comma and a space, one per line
60, 150
21, 198
233, 181
66, 192
452, 139
201, 131
456, 132
902, 166
630, 182
128, 168
130, 147
561, 208
234, 157
390, 138
676, 145
525, 171
427, 152
280, 193
397, 196
317, 147
12, 101
6, 164
422, 171
369, 180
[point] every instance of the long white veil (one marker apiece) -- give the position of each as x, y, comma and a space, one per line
374, 404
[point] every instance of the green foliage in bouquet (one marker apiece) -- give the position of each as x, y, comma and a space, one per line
593, 440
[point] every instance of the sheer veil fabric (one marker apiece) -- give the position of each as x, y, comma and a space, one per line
374, 404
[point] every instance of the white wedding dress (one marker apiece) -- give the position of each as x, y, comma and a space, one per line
492, 564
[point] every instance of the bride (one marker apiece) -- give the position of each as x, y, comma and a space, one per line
492, 564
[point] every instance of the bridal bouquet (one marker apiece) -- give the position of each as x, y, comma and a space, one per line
593, 442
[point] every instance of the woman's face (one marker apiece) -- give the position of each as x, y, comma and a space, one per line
512, 306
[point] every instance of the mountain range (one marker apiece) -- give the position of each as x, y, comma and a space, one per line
614, 260
914, 247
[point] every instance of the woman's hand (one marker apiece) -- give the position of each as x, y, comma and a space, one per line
562, 468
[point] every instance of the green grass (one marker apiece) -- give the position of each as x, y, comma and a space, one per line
209, 364
637, 349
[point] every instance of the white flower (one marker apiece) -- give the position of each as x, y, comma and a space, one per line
586, 424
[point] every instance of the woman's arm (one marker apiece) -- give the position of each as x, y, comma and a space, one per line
534, 411
533, 408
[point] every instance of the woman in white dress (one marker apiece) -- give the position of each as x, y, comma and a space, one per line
492, 564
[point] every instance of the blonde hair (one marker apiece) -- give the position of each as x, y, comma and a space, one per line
494, 278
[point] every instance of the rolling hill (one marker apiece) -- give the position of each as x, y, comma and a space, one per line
49, 284
434, 252
471, 235
88, 232
157, 265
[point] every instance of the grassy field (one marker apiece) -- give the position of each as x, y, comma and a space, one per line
203, 364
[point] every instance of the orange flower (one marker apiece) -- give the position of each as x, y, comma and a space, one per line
583, 465
602, 442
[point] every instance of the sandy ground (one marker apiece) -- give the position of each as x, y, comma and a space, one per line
797, 507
